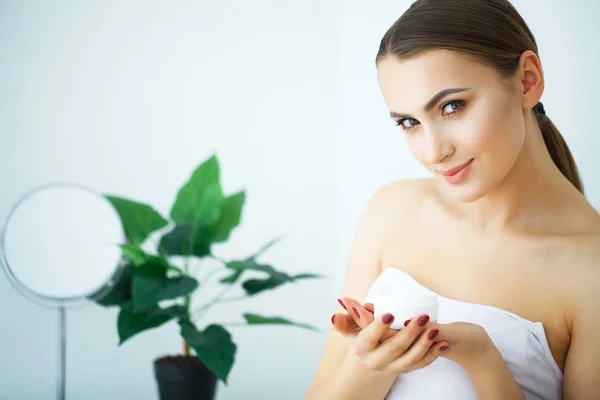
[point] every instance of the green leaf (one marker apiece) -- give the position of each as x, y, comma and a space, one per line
130, 324
233, 278
239, 267
253, 286
186, 239
120, 294
250, 264
231, 215
134, 253
151, 285
306, 276
265, 248
139, 220
254, 319
200, 199
213, 346
246, 265
139, 257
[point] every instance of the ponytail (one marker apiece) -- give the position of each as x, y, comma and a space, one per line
557, 147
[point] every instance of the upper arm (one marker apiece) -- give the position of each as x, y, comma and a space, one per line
582, 367
362, 268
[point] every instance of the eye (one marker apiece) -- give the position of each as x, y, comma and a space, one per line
411, 123
452, 107
448, 109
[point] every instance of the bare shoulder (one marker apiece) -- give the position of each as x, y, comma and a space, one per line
389, 207
402, 198
583, 273
582, 279
408, 189
583, 276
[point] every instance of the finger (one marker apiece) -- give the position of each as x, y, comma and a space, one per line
387, 335
436, 350
362, 317
368, 338
369, 307
448, 332
341, 302
399, 344
344, 324
391, 332
415, 354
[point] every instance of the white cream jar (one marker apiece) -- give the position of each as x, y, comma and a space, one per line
406, 305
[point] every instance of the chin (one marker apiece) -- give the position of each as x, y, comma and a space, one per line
465, 192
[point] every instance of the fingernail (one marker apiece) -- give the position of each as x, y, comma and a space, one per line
343, 305
387, 318
356, 312
333, 319
407, 322
433, 334
443, 348
423, 320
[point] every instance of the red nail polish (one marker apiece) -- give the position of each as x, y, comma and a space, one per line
333, 319
343, 305
433, 334
356, 312
387, 318
443, 348
423, 320
407, 322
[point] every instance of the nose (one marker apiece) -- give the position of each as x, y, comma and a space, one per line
436, 147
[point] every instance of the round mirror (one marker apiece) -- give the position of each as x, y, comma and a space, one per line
60, 246
61, 243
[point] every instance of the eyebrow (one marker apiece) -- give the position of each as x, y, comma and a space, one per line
431, 103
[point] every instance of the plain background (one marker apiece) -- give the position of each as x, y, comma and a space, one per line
128, 97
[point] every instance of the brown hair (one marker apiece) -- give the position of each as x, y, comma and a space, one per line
491, 32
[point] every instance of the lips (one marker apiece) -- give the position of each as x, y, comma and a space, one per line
457, 174
454, 170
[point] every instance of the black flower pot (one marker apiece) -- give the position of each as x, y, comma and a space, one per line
184, 378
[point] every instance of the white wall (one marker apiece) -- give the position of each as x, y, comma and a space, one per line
128, 97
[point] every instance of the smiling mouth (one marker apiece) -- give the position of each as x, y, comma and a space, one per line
455, 170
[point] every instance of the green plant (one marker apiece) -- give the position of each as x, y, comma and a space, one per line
158, 286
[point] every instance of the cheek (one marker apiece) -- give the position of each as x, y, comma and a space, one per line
497, 138
417, 149
481, 140
483, 132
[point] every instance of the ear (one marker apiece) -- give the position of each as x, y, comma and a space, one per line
531, 78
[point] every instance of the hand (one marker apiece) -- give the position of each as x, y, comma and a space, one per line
383, 349
469, 343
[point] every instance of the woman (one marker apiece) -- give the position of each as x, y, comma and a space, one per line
502, 232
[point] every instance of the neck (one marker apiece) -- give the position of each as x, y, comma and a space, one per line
535, 197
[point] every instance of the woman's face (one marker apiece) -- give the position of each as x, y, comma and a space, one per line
455, 113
